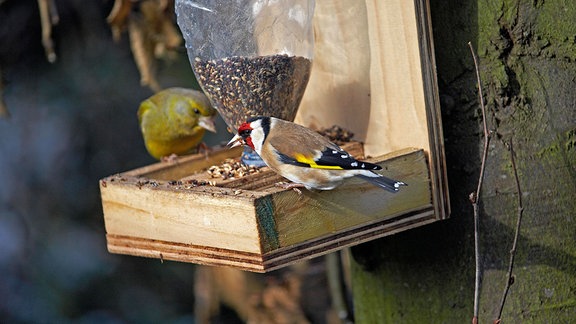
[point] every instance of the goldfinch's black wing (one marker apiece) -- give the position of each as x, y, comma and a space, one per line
317, 152
331, 158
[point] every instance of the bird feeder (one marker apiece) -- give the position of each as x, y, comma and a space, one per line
373, 73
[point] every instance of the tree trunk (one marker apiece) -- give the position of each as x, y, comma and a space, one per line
527, 52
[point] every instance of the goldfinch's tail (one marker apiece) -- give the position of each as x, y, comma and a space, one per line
383, 182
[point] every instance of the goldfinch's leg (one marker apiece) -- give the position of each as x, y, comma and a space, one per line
291, 185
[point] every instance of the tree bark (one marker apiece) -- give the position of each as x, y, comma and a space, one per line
527, 52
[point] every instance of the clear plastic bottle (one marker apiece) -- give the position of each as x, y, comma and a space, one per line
251, 57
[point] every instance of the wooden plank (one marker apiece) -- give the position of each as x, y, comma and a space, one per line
349, 237
275, 259
301, 217
338, 92
165, 250
262, 229
196, 216
398, 111
438, 175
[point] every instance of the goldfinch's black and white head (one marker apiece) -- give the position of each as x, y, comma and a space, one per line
252, 133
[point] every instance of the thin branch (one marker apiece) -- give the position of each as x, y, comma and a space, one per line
337, 290
510, 276
4, 113
484, 124
475, 197
48, 18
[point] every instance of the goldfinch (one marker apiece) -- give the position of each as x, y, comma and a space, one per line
173, 121
305, 157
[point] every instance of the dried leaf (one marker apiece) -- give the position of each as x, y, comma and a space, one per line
152, 33
207, 300
276, 301
170, 40
163, 5
142, 50
281, 301
118, 17
160, 25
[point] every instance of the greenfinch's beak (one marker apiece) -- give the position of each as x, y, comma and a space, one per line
207, 122
235, 141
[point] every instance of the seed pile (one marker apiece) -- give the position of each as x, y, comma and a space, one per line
231, 169
337, 134
191, 183
242, 87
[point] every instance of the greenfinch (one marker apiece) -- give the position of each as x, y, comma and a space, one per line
173, 121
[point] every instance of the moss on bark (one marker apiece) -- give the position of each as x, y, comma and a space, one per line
527, 54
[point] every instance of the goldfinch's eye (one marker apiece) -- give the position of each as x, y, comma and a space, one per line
245, 133
196, 111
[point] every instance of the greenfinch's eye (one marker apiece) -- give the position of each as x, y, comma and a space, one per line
196, 111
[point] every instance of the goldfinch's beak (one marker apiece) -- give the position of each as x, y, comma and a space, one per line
235, 141
207, 123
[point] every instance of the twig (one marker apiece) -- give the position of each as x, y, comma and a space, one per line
510, 276
475, 197
4, 113
337, 290
48, 18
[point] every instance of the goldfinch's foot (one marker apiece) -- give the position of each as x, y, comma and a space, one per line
290, 185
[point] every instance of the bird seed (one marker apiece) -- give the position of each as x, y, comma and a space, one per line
243, 87
337, 134
231, 169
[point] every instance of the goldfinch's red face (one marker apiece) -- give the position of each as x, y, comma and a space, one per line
245, 130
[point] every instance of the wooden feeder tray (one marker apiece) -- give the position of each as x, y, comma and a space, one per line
250, 223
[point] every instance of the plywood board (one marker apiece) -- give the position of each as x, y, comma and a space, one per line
234, 223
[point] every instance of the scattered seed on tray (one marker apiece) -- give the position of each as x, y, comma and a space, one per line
195, 183
231, 169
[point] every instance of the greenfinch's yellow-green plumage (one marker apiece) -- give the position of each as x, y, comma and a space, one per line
173, 121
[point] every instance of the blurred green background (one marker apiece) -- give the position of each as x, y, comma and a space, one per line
72, 123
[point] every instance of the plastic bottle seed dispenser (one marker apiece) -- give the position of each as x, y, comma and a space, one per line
251, 57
